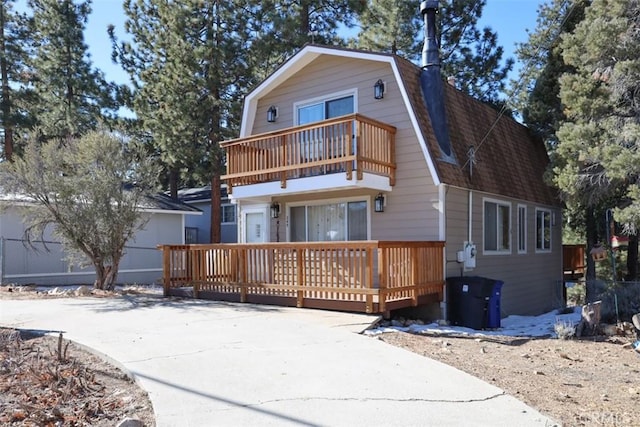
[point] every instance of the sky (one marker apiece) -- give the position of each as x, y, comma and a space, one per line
510, 18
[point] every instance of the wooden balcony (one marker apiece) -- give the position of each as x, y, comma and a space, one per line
364, 276
351, 144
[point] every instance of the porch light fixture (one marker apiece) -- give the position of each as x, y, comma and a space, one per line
378, 89
275, 210
378, 205
272, 114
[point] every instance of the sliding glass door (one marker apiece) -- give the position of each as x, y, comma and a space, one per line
328, 222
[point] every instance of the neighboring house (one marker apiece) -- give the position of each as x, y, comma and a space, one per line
198, 228
335, 132
142, 262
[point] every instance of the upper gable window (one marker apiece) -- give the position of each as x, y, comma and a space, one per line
318, 109
497, 227
543, 230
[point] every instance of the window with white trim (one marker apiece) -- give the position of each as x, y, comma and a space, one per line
328, 222
543, 230
228, 214
522, 229
497, 226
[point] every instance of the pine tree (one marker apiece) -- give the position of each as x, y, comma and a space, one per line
189, 66
536, 93
468, 53
14, 40
597, 155
282, 27
391, 26
71, 96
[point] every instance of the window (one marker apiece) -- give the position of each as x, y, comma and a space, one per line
324, 109
543, 230
228, 214
328, 222
190, 235
522, 229
497, 226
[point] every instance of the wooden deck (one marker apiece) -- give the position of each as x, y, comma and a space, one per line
574, 262
364, 276
349, 144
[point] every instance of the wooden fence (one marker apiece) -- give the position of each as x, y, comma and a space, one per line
365, 276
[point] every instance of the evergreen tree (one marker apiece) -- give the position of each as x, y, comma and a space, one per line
468, 53
71, 96
282, 27
14, 40
597, 160
391, 26
189, 66
536, 93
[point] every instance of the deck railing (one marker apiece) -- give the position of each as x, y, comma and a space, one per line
343, 144
368, 276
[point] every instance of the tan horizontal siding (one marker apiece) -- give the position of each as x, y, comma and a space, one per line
531, 280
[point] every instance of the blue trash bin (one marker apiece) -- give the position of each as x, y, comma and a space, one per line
493, 309
468, 301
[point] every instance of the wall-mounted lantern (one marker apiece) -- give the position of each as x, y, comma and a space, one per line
272, 114
275, 210
378, 89
378, 203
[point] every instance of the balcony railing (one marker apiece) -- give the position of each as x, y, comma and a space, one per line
366, 276
351, 143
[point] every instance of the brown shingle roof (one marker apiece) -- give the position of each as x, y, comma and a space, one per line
510, 161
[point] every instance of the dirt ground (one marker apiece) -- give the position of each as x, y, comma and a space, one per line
588, 382
48, 382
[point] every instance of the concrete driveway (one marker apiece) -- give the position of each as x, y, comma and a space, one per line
221, 364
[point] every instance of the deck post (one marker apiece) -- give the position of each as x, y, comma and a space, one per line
195, 273
369, 280
300, 276
359, 165
283, 161
414, 275
166, 269
382, 278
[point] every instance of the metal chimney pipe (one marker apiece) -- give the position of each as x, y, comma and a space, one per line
430, 54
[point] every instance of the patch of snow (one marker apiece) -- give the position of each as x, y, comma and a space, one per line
515, 326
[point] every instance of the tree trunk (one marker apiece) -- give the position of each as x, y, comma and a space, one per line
106, 276
632, 258
590, 321
6, 91
216, 208
592, 240
173, 182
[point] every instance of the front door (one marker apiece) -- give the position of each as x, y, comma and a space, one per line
255, 227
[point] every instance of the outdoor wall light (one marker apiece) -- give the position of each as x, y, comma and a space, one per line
378, 205
275, 210
378, 89
272, 114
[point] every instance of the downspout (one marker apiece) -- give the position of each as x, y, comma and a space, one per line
470, 224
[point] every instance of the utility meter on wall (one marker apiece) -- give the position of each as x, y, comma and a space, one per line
469, 255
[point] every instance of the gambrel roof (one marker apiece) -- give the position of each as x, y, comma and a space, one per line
509, 160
